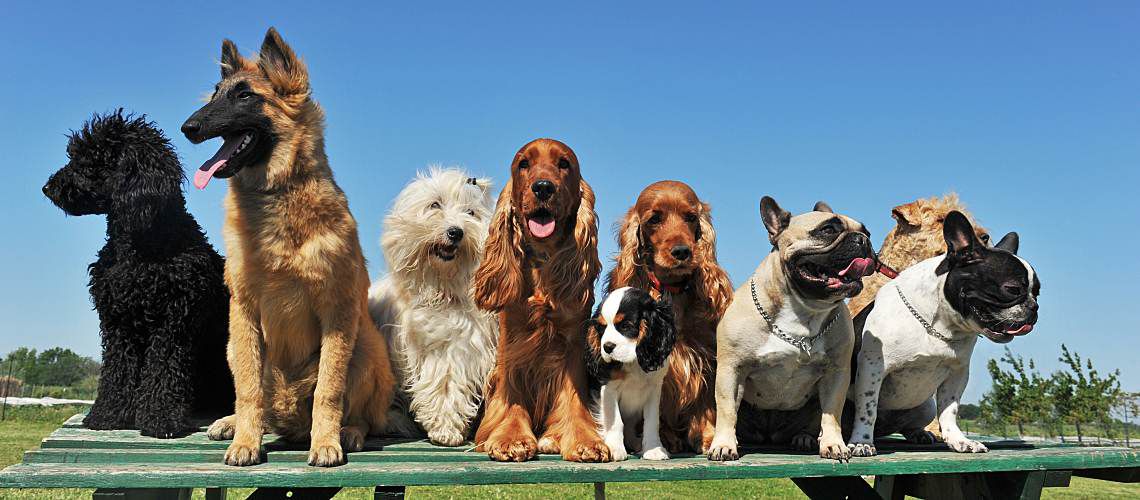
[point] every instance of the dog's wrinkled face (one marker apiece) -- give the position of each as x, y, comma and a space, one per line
824, 255
670, 226
250, 107
546, 190
631, 326
439, 219
116, 162
991, 287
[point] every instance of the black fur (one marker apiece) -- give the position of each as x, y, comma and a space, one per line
658, 342
157, 284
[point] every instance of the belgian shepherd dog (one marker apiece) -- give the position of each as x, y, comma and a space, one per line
307, 361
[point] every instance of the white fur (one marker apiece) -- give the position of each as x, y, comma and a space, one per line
635, 395
900, 366
442, 346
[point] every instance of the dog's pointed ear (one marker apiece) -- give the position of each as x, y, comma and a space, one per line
962, 244
820, 206
232, 61
1009, 243
281, 66
775, 219
661, 333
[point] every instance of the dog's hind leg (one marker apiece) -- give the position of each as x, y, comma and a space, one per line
114, 407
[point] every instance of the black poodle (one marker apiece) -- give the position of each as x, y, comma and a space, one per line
157, 285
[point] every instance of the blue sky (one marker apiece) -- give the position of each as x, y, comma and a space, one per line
1030, 114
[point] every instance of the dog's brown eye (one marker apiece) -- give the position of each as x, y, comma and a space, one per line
1013, 290
655, 218
690, 218
563, 164
985, 238
245, 94
435, 205
471, 213
523, 164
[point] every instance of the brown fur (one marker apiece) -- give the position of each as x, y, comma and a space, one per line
666, 214
917, 236
307, 361
542, 290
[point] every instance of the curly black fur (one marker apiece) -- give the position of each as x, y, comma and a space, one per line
655, 348
157, 284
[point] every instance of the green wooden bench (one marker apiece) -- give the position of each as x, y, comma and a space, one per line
123, 464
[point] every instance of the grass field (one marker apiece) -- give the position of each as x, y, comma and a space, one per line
25, 427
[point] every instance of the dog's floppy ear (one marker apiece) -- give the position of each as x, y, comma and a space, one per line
820, 206
232, 61
595, 366
1009, 243
576, 266
776, 219
906, 215
712, 280
285, 71
498, 281
148, 175
654, 347
630, 249
962, 244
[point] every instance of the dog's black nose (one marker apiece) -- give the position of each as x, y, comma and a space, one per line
681, 252
454, 234
609, 347
543, 189
191, 128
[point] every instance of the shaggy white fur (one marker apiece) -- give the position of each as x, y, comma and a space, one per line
442, 345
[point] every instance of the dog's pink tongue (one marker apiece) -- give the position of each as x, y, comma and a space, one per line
861, 267
1021, 331
206, 171
540, 229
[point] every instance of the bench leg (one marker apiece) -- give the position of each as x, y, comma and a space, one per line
1000, 485
599, 491
293, 493
837, 488
141, 493
388, 493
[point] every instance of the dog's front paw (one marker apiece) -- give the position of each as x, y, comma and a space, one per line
446, 437
589, 450
326, 455
722, 450
834, 449
242, 454
963, 445
804, 442
921, 436
165, 428
617, 449
351, 439
862, 449
222, 429
512, 450
548, 445
657, 453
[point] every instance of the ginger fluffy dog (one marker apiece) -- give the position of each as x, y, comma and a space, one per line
538, 273
442, 344
307, 360
668, 246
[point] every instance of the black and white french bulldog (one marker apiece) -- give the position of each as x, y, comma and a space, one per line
786, 340
918, 338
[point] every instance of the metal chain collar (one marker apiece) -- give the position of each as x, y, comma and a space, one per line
803, 343
925, 324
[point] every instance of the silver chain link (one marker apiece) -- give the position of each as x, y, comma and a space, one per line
925, 324
803, 343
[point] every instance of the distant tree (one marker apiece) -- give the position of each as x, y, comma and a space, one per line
969, 411
1091, 396
1020, 395
1127, 407
21, 360
996, 407
59, 366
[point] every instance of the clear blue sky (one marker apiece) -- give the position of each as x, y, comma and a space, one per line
1029, 113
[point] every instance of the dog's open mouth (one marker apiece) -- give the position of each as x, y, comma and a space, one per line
445, 251
839, 276
540, 223
1003, 331
225, 162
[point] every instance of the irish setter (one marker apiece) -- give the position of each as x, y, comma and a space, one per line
668, 246
538, 274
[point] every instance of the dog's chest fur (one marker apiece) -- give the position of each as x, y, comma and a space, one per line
781, 376
633, 387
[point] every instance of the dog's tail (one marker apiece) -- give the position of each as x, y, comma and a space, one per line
291, 413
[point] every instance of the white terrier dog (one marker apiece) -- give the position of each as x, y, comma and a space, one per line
442, 345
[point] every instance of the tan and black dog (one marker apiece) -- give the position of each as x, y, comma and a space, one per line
308, 362
785, 342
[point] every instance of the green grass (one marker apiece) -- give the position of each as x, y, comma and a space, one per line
26, 426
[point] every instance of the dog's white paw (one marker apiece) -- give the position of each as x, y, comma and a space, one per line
222, 429
963, 445
617, 449
722, 450
862, 449
446, 437
657, 453
834, 449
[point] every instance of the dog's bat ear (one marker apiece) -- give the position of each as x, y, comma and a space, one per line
285, 71
232, 61
776, 219
962, 244
1009, 243
822, 207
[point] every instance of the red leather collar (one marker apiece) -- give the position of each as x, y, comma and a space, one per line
661, 287
886, 270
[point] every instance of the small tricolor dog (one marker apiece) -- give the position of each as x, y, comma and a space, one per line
628, 341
